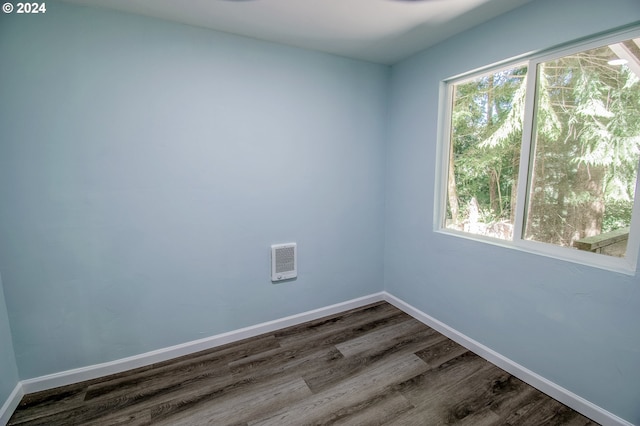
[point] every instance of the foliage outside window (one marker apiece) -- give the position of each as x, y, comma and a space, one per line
546, 151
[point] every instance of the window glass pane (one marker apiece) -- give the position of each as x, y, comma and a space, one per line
587, 135
486, 135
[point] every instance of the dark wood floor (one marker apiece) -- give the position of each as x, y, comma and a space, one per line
370, 366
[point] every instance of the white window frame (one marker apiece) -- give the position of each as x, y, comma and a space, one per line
626, 265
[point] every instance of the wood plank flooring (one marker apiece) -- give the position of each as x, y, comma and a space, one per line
373, 365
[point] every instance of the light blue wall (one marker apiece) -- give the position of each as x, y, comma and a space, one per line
575, 325
146, 167
8, 368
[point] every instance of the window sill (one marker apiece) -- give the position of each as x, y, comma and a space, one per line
594, 260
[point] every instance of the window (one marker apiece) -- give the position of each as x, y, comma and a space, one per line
543, 155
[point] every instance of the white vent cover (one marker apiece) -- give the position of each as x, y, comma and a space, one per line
284, 262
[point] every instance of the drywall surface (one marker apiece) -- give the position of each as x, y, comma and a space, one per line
146, 167
575, 325
8, 369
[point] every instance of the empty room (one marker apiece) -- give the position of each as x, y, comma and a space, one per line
290, 212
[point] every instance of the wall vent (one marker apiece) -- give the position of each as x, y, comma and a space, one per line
284, 261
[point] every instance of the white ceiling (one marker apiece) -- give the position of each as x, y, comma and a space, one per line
381, 31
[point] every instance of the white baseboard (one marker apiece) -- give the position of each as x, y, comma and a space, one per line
11, 404
118, 366
555, 391
95, 371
